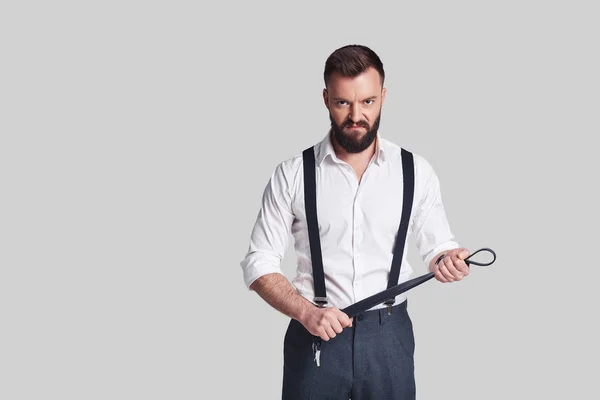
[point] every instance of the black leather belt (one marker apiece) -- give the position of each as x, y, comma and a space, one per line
378, 298
387, 296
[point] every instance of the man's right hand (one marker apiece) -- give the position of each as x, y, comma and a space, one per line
325, 322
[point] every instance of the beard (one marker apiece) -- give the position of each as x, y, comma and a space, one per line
351, 141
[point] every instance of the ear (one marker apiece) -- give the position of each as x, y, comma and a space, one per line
382, 95
326, 98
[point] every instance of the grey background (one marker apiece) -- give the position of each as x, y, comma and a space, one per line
137, 138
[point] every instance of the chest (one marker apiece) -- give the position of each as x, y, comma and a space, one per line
364, 200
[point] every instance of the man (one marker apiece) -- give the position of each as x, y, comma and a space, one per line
359, 189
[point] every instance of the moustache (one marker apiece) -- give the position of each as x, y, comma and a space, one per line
348, 123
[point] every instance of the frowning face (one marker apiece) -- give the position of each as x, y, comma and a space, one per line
354, 105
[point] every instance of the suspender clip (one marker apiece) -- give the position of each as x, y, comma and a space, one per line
389, 304
321, 301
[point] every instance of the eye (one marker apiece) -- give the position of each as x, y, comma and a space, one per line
342, 102
369, 102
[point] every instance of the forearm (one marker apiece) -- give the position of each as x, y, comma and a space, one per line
278, 292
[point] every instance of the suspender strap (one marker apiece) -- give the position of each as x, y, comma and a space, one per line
310, 204
408, 172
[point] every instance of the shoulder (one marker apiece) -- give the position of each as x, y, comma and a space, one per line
290, 167
287, 174
423, 168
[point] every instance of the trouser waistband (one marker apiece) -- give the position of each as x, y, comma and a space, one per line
379, 315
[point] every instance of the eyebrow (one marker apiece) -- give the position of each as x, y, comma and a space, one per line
342, 99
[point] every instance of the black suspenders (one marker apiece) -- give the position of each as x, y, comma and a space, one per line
310, 205
408, 172
310, 200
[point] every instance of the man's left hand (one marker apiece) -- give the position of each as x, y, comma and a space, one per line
452, 267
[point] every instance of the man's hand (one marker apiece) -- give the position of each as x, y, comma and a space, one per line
325, 322
452, 267
276, 290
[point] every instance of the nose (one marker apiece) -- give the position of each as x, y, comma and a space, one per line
355, 113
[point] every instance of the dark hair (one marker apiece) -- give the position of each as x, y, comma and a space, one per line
352, 60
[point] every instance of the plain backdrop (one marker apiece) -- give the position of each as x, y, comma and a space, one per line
137, 138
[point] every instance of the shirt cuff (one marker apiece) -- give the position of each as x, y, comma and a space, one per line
256, 265
449, 245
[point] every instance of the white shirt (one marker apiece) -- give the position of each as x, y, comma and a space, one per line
358, 223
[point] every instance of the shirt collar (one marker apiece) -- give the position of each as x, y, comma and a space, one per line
325, 148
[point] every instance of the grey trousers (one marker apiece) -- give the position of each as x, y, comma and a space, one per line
371, 360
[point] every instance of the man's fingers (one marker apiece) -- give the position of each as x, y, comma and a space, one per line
330, 333
336, 326
463, 253
445, 273
343, 319
462, 267
456, 274
323, 332
332, 322
459, 263
439, 276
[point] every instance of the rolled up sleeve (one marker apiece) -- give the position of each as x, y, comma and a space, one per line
430, 226
270, 235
